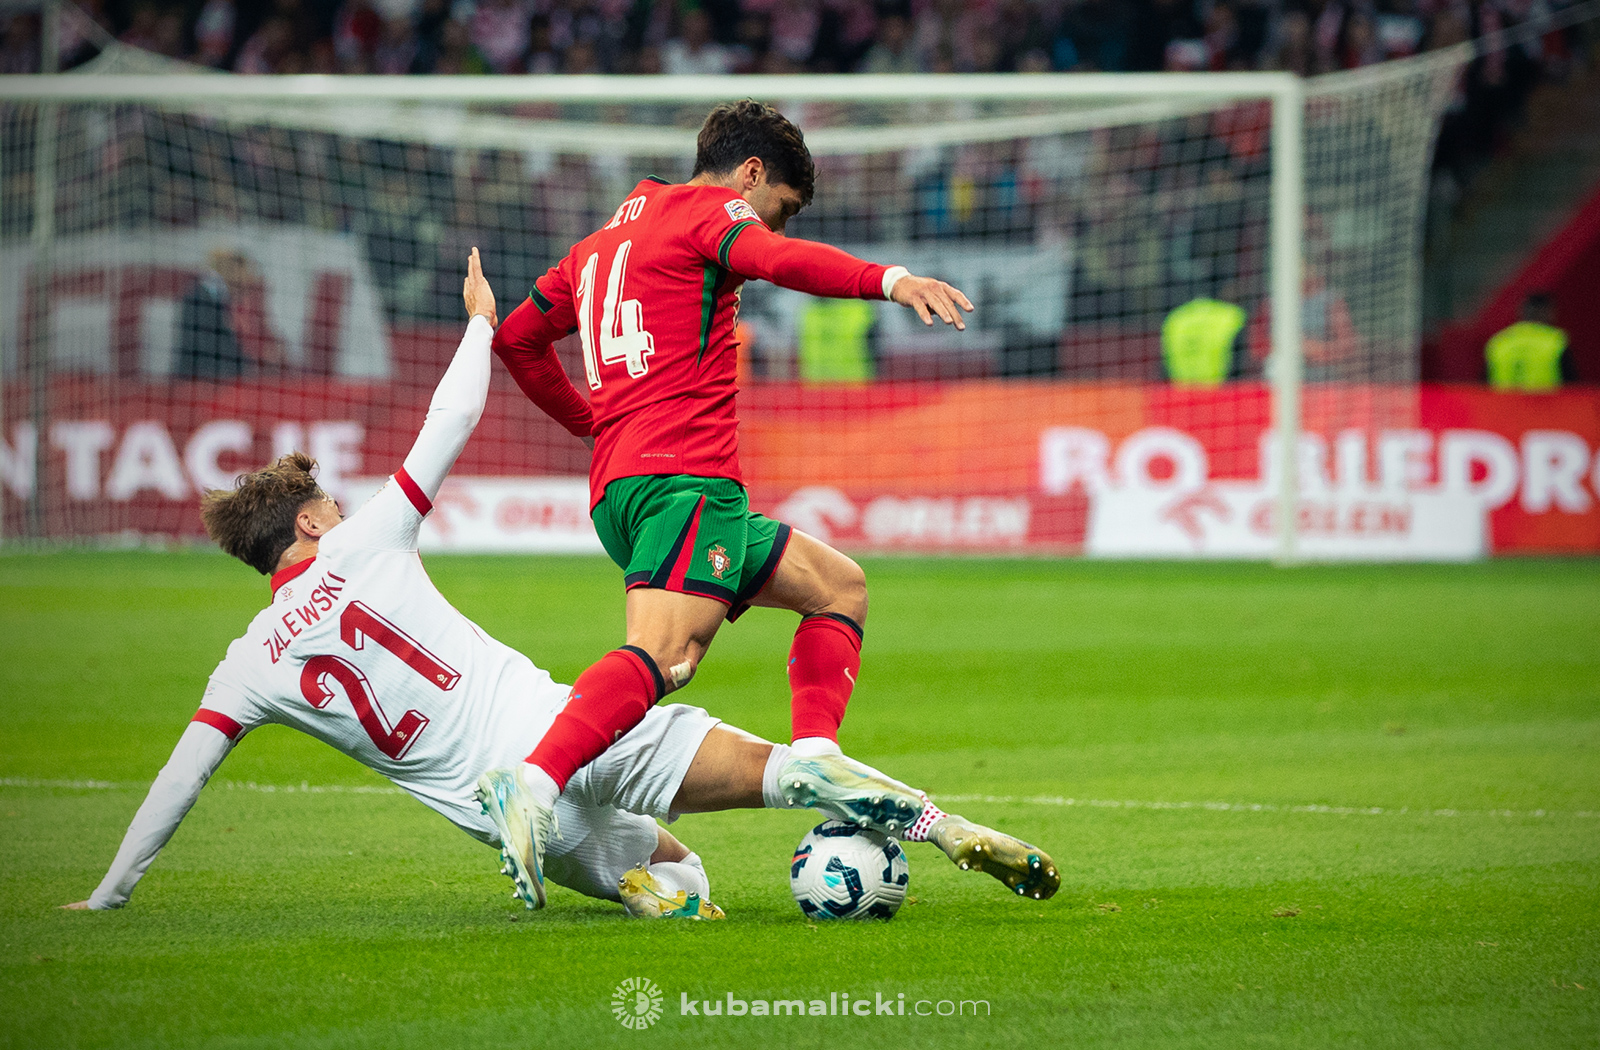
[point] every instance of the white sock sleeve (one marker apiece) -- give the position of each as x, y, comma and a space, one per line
771, 797
815, 746
688, 874
539, 783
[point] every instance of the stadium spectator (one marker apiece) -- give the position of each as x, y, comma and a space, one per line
224, 332
269, 48
1530, 355
1198, 342
1329, 340
693, 51
458, 55
19, 49
500, 32
397, 47
213, 33
892, 52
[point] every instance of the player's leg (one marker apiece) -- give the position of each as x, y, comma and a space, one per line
829, 591
733, 769
659, 530
680, 541
625, 857
673, 885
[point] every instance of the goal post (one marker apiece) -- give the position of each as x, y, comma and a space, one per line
1086, 207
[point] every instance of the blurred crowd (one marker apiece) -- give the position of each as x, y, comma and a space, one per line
774, 36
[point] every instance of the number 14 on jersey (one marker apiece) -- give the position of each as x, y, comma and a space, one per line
622, 333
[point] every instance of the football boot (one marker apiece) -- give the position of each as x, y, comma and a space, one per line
1026, 869
851, 791
525, 827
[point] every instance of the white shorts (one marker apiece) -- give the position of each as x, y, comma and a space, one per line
608, 812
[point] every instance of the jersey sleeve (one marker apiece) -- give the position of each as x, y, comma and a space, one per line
526, 343
392, 518
224, 716
735, 238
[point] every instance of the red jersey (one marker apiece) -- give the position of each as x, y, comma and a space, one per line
654, 296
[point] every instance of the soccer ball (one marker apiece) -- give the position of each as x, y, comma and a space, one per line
842, 871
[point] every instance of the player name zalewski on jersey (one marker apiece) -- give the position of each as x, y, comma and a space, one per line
349, 631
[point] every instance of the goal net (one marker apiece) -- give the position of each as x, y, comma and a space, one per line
196, 276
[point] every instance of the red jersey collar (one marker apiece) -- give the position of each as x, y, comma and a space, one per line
283, 576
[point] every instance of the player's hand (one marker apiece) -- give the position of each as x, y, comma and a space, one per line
477, 294
79, 906
930, 298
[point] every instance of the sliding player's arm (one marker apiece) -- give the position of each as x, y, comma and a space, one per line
751, 250
392, 519
526, 343
200, 750
458, 400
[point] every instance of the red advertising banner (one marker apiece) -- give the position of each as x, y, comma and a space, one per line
1114, 470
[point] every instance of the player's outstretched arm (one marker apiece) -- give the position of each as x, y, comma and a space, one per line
458, 400
821, 269
199, 752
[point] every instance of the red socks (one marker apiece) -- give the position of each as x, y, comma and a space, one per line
607, 700
612, 696
823, 664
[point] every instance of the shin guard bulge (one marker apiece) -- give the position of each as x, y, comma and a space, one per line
607, 700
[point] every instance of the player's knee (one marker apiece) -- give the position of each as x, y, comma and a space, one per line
849, 590
676, 663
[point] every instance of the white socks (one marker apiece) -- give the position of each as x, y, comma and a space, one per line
536, 782
771, 796
688, 874
812, 746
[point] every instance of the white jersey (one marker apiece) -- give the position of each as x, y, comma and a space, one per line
360, 650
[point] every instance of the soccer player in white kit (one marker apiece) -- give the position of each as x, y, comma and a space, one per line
358, 649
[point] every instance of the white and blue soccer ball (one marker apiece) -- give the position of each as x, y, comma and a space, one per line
842, 871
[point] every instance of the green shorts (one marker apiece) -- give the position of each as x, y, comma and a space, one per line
695, 535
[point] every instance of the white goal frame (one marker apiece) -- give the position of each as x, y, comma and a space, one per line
1285, 92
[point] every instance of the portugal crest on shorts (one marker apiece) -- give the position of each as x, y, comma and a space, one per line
718, 557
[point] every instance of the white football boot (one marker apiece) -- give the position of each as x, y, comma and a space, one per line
525, 828
1026, 869
644, 898
850, 791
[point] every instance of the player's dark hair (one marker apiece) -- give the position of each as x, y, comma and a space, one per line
736, 131
254, 520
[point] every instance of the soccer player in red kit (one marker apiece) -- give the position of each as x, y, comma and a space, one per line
654, 296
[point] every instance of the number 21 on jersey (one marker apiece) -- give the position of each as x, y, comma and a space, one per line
358, 624
622, 335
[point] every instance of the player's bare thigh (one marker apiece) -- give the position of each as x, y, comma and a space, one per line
814, 578
676, 629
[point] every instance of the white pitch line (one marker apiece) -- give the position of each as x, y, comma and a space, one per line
305, 788
1262, 807
302, 788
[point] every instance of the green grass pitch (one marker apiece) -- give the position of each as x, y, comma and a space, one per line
1447, 717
